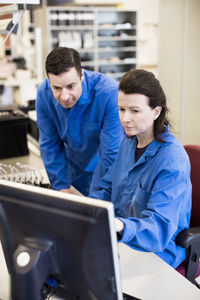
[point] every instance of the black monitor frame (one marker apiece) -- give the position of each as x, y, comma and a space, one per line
49, 235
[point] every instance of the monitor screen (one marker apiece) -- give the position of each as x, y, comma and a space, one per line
58, 245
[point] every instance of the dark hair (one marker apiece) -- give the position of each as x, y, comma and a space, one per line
144, 82
61, 59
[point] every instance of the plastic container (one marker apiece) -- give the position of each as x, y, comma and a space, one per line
13, 133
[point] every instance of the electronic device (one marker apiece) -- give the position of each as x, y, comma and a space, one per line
58, 245
24, 173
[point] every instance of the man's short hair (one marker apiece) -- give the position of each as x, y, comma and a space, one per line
62, 59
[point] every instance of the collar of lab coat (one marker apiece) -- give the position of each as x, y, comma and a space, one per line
152, 148
84, 98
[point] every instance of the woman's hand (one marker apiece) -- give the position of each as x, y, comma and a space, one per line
119, 226
69, 191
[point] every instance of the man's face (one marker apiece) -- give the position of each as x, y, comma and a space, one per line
66, 87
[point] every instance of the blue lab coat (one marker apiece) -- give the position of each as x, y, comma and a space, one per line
85, 139
152, 196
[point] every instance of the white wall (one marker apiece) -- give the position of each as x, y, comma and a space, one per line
179, 65
169, 42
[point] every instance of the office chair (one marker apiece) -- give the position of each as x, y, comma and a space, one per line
190, 238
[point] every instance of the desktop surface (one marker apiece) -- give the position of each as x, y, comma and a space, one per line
148, 277
144, 276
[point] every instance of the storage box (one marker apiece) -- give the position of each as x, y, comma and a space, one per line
13, 133
30, 111
33, 129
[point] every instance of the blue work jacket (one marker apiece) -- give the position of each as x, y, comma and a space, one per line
152, 196
84, 139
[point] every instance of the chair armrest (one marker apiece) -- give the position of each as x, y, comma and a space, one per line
188, 236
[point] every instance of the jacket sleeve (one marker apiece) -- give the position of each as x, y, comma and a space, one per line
159, 222
104, 191
110, 139
51, 146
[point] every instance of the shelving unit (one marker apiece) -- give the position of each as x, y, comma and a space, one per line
20, 60
105, 37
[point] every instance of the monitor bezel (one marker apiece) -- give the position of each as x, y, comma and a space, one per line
83, 200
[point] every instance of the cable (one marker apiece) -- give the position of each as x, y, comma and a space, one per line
17, 16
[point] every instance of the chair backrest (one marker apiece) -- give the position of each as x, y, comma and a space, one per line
193, 152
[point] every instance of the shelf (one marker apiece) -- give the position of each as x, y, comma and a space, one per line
88, 63
15, 82
77, 27
115, 75
114, 27
106, 39
85, 50
8, 9
117, 38
116, 62
118, 49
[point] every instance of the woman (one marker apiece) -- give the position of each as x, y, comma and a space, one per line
149, 182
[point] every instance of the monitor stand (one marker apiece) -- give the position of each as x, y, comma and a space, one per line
33, 262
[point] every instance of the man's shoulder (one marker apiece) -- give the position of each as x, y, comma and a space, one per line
100, 81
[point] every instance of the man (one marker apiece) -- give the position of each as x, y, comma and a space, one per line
77, 117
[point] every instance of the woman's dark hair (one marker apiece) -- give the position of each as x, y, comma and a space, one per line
144, 82
61, 59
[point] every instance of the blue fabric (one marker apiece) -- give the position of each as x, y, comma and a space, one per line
152, 196
85, 139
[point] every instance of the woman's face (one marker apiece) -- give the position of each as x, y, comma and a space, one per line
136, 116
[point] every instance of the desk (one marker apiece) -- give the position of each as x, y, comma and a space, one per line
144, 275
31, 159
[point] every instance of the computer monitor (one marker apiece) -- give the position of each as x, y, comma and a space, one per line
58, 245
